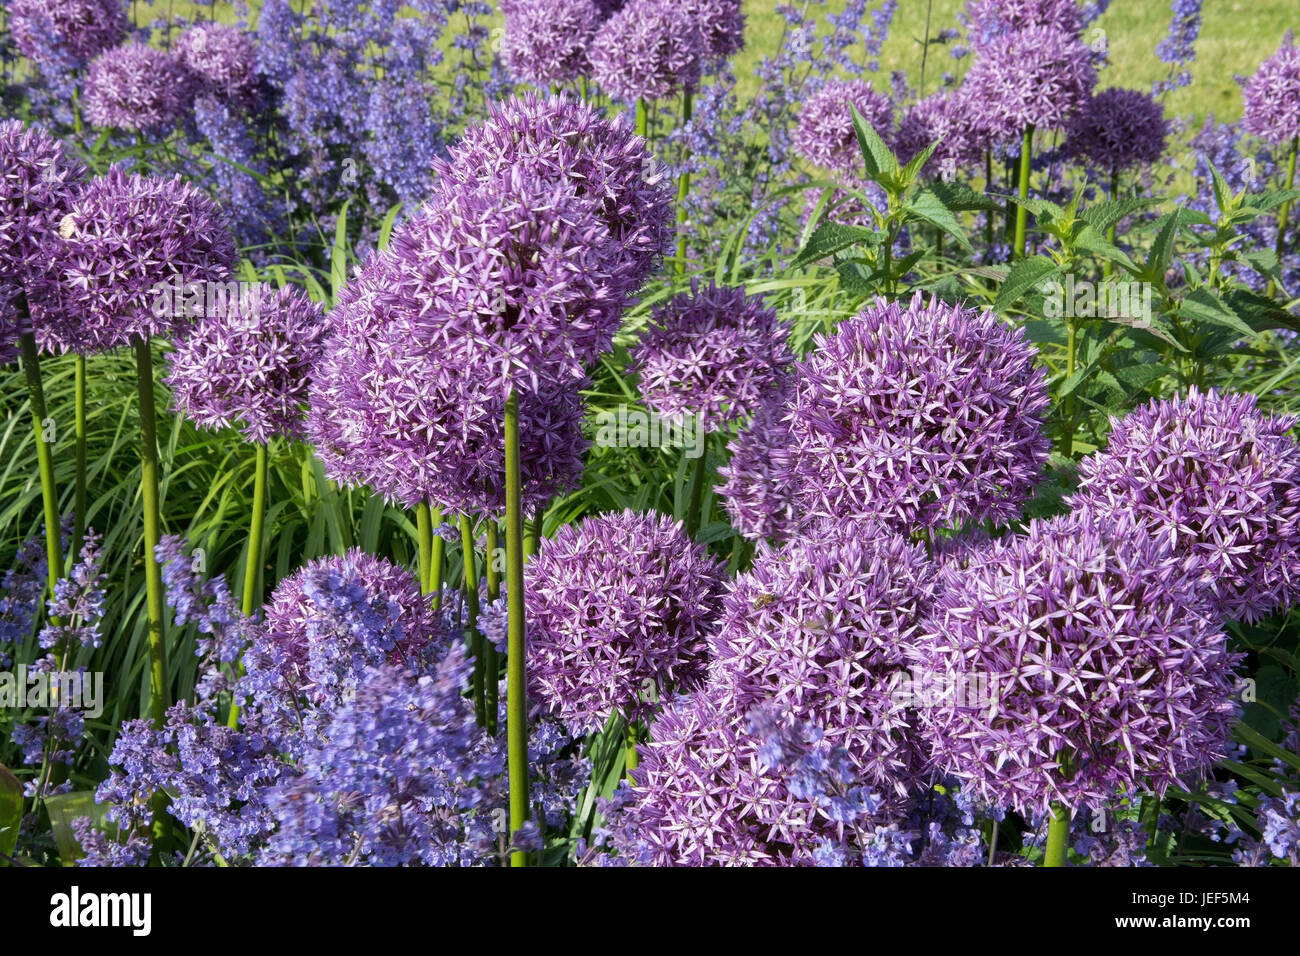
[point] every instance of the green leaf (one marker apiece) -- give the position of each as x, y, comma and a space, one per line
831, 238
1162, 248
1204, 306
1272, 198
1104, 215
927, 205
961, 198
1024, 275
1260, 312
914, 166
1088, 239
386, 227
11, 813
1223, 197
880, 159
339, 253
1262, 746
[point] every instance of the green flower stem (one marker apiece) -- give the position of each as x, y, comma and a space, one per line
1284, 213
490, 663
1071, 360
699, 479
516, 705
1114, 195
1058, 834
532, 534
1022, 214
152, 524
253, 562
472, 636
684, 185
988, 187
642, 119
632, 759
79, 501
44, 459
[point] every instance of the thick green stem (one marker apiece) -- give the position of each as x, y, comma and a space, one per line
516, 704
424, 534
472, 636
684, 184
253, 560
1058, 835
642, 119
1111, 234
491, 665
988, 188
1071, 360
1022, 213
632, 759
1284, 213
696, 501
79, 501
44, 459
152, 525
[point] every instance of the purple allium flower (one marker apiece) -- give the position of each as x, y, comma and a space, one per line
1093, 646
1272, 98
125, 239
821, 628
713, 353
721, 25
222, 60
825, 136
137, 87
546, 41
619, 609
923, 416
66, 33
335, 616
1119, 129
37, 184
944, 118
649, 50
1036, 77
758, 489
10, 330
560, 138
993, 18
1222, 479
248, 365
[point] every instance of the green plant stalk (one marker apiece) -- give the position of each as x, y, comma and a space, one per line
44, 458
424, 534
253, 561
1106, 266
642, 119
1058, 835
1071, 360
632, 760
516, 705
79, 499
472, 636
684, 186
988, 187
1022, 186
696, 500
152, 526
532, 534
1284, 213
490, 663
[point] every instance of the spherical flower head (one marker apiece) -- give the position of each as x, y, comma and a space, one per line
125, 239
546, 41
247, 366
602, 160
1222, 479
337, 615
921, 416
11, 330
1078, 644
221, 60
137, 88
721, 25
619, 608
758, 486
1037, 76
825, 136
37, 183
649, 50
1119, 129
713, 353
1271, 97
66, 33
820, 628
943, 118
989, 19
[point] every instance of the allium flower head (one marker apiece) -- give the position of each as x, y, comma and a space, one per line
1222, 480
1272, 98
993, 18
721, 25
713, 353
1080, 642
758, 487
66, 33
618, 607
249, 365
825, 135
1119, 129
924, 415
546, 41
222, 60
124, 238
649, 50
944, 118
37, 183
820, 628
137, 88
1036, 76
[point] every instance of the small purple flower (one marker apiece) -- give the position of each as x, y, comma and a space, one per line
619, 608
249, 364
649, 50
994, 18
546, 41
713, 353
944, 118
825, 136
1272, 98
66, 33
1119, 129
221, 58
1036, 76
721, 25
137, 88
38, 181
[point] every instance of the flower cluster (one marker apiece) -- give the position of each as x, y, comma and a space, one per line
38, 181
546, 41
1272, 98
649, 50
66, 33
137, 88
1036, 76
943, 118
221, 59
619, 608
825, 136
1119, 129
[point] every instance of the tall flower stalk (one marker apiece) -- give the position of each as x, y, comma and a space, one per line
516, 689
1022, 210
44, 458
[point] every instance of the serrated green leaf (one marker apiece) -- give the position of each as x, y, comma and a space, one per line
914, 166
831, 238
1271, 198
1024, 275
1203, 305
926, 205
1223, 197
880, 159
1088, 239
1162, 248
1106, 214
961, 198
